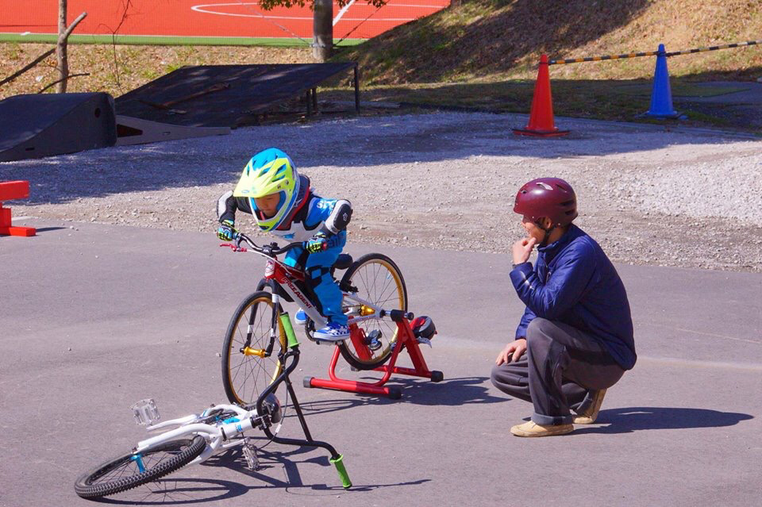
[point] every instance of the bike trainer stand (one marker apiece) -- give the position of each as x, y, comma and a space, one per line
405, 339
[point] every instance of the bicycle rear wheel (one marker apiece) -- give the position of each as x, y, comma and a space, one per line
134, 469
246, 369
378, 280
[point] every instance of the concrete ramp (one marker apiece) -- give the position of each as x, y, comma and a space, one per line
36, 126
228, 95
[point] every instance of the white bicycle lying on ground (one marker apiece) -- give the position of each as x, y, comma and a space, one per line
195, 438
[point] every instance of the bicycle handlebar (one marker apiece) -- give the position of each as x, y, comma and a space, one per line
270, 250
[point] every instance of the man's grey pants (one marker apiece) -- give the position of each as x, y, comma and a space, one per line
561, 370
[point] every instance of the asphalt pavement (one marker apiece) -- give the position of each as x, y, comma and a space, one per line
95, 317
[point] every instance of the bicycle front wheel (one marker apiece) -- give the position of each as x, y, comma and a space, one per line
135, 469
247, 368
377, 280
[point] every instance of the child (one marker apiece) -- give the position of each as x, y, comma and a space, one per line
283, 203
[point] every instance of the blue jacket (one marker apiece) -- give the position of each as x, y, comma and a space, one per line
575, 283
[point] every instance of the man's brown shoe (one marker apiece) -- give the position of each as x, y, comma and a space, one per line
591, 414
530, 429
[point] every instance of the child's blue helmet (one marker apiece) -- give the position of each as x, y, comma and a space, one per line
270, 172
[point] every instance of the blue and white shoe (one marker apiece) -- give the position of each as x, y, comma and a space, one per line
300, 317
333, 332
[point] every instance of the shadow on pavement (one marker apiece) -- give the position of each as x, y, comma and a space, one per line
188, 491
48, 229
449, 392
183, 491
627, 420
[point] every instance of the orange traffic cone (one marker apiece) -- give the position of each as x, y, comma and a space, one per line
541, 123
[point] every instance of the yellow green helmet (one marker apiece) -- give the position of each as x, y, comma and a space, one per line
269, 172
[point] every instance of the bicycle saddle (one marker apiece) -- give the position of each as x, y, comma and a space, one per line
343, 262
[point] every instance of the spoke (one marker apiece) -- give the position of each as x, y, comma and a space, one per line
248, 373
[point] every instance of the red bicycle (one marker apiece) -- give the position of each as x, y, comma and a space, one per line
373, 288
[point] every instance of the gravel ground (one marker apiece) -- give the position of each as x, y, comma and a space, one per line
679, 197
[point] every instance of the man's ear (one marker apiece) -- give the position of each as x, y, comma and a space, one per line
546, 223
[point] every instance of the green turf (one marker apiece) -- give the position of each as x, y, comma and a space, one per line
171, 41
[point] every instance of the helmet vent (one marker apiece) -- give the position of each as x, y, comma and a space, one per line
544, 185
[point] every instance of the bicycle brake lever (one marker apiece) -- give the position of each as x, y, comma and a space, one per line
234, 247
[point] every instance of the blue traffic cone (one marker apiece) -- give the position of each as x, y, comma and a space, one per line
661, 93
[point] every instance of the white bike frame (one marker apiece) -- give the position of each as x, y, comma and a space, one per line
219, 437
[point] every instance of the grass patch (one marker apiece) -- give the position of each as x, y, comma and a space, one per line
144, 40
681, 89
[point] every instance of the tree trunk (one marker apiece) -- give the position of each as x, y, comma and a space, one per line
63, 59
322, 30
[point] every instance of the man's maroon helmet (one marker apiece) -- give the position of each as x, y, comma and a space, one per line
547, 197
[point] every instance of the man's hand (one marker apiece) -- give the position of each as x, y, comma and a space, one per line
317, 244
522, 249
512, 352
226, 231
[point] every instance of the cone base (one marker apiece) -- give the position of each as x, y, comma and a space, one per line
674, 115
540, 133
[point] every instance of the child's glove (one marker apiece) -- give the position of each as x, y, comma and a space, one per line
318, 243
226, 231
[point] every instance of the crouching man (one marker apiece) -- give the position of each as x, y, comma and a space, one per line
575, 339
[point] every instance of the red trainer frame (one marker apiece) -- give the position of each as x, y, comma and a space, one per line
405, 338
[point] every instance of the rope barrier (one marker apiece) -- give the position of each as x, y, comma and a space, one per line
601, 58
653, 53
715, 48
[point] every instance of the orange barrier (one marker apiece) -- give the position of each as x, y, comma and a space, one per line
541, 122
10, 190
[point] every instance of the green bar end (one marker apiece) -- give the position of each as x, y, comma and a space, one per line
339, 464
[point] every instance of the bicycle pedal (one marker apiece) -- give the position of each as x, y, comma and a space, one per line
426, 341
250, 455
373, 340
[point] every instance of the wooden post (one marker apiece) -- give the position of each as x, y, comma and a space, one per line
61, 46
61, 49
322, 30
357, 90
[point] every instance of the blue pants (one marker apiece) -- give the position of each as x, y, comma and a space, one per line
318, 269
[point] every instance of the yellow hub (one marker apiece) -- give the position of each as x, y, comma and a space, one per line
254, 352
366, 310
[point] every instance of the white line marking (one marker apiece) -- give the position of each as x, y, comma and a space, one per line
714, 335
202, 9
701, 364
342, 11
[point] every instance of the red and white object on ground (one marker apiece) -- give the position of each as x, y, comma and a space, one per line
10, 190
